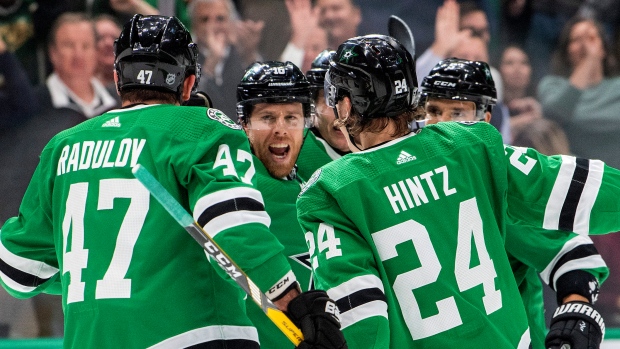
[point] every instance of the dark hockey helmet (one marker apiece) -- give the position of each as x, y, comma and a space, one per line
376, 72
273, 82
155, 52
460, 79
316, 74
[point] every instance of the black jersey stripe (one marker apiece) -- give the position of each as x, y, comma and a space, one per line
19, 276
569, 209
360, 297
226, 344
232, 205
581, 251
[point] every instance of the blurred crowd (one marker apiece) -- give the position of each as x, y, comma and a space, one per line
555, 65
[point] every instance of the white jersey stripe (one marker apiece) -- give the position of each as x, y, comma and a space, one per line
524, 343
206, 334
353, 285
329, 150
588, 197
235, 218
590, 262
558, 193
223, 195
30, 266
364, 311
568, 246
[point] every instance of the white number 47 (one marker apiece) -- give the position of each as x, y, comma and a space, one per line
400, 86
145, 76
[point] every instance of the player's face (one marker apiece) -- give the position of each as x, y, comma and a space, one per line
340, 18
276, 132
325, 124
440, 110
73, 53
515, 68
107, 32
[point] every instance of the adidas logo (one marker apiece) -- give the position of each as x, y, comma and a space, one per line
404, 157
114, 122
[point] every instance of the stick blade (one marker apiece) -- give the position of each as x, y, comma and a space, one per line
399, 30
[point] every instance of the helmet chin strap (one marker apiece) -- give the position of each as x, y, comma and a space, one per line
352, 141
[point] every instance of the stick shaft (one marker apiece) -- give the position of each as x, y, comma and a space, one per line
211, 247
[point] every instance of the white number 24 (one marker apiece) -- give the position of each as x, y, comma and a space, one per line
400, 86
114, 284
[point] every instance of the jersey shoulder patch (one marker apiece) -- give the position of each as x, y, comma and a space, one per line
219, 116
313, 179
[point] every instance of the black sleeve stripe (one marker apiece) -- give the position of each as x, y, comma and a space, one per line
360, 297
567, 216
19, 276
578, 252
232, 205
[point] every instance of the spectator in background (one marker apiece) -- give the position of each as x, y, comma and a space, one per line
516, 73
107, 29
581, 95
70, 95
307, 38
227, 45
340, 18
16, 93
547, 137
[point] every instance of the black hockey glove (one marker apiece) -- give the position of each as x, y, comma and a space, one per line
318, 318
575, 325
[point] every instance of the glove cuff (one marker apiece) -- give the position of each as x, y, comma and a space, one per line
577, 282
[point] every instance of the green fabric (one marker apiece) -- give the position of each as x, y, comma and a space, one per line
123, 262
315, 153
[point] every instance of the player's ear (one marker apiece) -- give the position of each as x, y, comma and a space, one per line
188, 84
487, 116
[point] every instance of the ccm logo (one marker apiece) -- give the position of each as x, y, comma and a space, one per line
445, 83
279, 285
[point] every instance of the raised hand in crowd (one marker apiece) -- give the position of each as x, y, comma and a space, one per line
303, 21
133, 6
447, 33
247, 36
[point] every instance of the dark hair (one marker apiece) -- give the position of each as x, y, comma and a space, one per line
137, 95
467, 7
69, 17
560, 63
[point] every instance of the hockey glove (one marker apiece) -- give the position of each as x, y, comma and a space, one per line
318, 318
575, 325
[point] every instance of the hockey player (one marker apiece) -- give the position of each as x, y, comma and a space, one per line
325, 142
130, 277
369, 81
274, 108
461, 90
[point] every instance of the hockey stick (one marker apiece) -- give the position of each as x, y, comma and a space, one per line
399, 30
206, 241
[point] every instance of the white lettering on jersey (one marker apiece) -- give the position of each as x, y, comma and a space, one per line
410, 192
92, 155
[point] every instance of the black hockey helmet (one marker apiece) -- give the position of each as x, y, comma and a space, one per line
376, 72
460, 79
273, 82
316, 74
155, 52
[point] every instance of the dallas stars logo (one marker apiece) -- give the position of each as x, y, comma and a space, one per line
304, 259
347, 55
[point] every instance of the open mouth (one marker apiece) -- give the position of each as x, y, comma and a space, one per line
279, 150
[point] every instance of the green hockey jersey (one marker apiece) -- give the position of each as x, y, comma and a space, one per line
314, 153
280, 197
382, 250
130, 276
